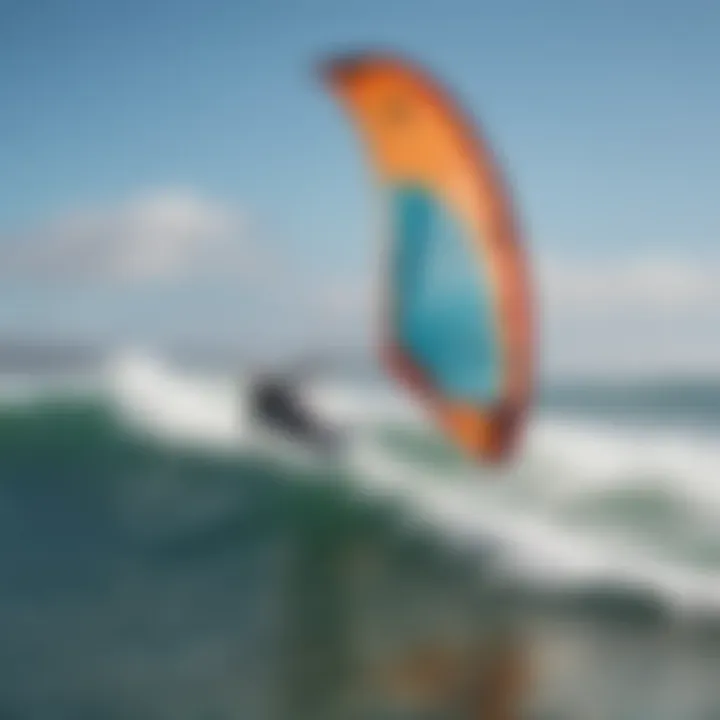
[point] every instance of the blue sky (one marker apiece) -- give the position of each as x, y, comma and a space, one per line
607, 116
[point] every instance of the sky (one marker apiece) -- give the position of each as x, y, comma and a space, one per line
174, 171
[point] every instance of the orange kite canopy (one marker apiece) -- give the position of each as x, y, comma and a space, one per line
456, 324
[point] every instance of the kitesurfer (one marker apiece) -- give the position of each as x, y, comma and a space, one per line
276, 403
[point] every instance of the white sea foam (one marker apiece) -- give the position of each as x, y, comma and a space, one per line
591, 457
562, 460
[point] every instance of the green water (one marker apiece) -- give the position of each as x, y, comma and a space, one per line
145, 579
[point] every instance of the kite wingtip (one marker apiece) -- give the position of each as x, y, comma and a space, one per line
342, 66
334, 69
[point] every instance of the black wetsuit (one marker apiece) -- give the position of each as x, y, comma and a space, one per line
276, 404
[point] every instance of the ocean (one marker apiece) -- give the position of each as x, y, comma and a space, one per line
161, 559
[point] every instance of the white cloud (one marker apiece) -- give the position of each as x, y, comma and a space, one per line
345, 300
162, 235
654, 285
642, 316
